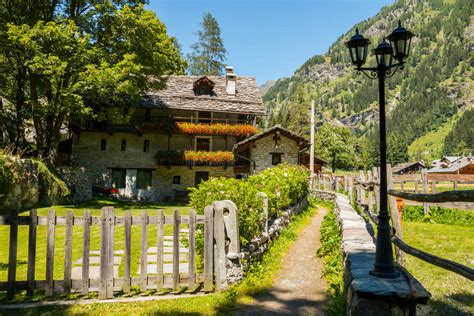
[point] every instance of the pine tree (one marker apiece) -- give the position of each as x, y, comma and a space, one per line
208, 53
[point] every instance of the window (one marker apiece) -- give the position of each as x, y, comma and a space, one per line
276, 158
203, 86
147, 115
201, 176
177, 180
143, 179
103, 144
203, 144
123, 147
146, 146
204, 117
118, 178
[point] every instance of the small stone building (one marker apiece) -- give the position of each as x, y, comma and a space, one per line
272, 147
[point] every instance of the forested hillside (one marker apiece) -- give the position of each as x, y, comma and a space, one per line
428, 98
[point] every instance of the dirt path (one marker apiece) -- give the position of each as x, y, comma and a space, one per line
299, 288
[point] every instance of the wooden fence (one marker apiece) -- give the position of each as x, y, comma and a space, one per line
363, 190
106, 283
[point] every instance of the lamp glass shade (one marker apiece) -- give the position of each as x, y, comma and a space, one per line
383, 53
358, 47
401, 42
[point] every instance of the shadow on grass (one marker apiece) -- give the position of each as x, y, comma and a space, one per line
457, 304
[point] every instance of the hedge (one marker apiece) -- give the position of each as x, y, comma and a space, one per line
284, 185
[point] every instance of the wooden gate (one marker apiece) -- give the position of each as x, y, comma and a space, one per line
108, 280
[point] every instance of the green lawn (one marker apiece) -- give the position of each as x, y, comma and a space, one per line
94, 206
452, 294
258, 280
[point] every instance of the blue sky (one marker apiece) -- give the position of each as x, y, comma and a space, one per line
267, 39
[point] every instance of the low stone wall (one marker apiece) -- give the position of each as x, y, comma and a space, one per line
259, 245
79, 183
365, 294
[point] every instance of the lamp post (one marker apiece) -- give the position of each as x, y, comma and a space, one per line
384, 53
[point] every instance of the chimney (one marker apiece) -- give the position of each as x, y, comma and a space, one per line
230, 80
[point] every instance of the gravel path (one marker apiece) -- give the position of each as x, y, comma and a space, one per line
298, 288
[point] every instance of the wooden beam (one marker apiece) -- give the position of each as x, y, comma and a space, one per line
448, 196
437, 261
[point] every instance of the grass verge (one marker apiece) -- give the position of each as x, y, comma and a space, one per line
331, 254
452, 293
258, 279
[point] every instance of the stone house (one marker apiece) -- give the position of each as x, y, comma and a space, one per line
176, 138
272, 147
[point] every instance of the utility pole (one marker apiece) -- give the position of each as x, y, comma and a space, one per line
311, 153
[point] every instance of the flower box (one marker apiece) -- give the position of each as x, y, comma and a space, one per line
220, 129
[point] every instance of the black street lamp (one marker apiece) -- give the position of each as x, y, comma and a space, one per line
384, 53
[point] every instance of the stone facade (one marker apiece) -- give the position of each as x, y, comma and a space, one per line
263, 148
78, 181
99, 162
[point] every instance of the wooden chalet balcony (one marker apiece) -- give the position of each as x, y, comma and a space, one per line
198, 158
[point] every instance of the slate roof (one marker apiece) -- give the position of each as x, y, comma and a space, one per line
179, 94
269, 131
403, 165
453, 167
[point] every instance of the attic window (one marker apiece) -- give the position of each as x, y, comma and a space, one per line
203, 86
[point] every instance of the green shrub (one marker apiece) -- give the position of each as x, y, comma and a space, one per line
438, 215
284, 185
28, 183
331, 254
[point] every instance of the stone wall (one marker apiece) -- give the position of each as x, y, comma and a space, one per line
27, 183
261, 152
99, 163
79, 182
366, 294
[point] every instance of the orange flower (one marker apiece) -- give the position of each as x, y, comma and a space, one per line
208, 156
238, 130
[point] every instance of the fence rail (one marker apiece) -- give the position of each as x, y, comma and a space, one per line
365, 187
106, 283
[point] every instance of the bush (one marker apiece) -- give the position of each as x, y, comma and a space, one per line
438, 215
26, 183
284, 185
331, 254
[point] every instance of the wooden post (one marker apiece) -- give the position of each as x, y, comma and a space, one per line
104, 243
319, 181
32, 252
375, 174
455, 185
159, 249
311, 150
361, 189
337, 184
324, 183
192, 245
396, 220
144, 252
350, 191
219, 247
208, 248
127, 281
433, 187
49, 285
68, 252
424, 179
12, 255
416, 185
176, 221
110, 253
402, 185
86, 244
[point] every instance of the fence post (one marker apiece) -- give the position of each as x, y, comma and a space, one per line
375, 174
350, 191
159, 249
265, 207
455, 185
208, 248
32, 252
219, 246
192, 243
424, 179
396, 220
370, 192
12, 255
362, 191
86, 244
68, 252
49, 285
107, 221
319, 181
433, 187
144, 251
416, 185
337, 183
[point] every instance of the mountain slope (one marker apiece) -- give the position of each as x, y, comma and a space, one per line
436, 83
